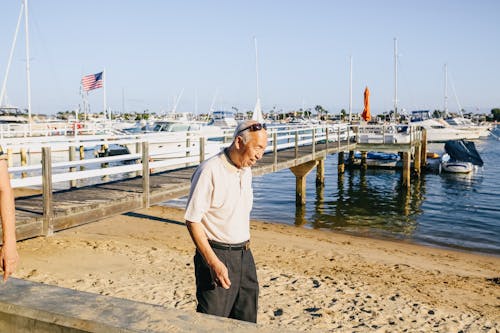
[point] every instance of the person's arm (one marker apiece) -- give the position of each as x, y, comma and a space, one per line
8, 253
218, 268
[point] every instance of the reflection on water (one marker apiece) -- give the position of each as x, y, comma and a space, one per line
368, 201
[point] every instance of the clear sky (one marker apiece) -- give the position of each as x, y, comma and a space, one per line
153, 50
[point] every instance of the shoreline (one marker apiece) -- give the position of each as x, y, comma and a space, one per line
309, 279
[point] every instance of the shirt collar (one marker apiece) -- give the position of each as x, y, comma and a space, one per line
224, 156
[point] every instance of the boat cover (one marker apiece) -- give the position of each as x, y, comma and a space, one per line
464, 151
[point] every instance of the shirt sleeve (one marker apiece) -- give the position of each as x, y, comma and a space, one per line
200, 196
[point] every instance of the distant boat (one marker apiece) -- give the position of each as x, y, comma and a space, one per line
439, 130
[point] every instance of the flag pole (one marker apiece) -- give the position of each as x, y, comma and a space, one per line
104, 93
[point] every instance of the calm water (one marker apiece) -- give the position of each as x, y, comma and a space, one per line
446, 210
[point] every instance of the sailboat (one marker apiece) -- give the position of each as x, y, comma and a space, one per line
257, 111
461, 122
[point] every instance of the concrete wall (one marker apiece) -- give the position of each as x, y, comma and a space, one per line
35, 307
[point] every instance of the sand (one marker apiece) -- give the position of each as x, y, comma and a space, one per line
310, 279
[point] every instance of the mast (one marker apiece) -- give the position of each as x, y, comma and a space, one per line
257, 68
395, 79
350, 88
28, 80
445, 89
4, 85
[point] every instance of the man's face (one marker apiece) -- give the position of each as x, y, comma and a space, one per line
253, 150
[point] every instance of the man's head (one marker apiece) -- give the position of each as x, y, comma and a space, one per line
249, 143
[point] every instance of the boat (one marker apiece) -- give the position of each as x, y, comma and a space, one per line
377, 160
459, 121
461, 156
439, 130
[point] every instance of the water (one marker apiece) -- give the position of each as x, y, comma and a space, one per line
444, 210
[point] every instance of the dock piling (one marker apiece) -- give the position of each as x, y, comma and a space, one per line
300, 172
48, 211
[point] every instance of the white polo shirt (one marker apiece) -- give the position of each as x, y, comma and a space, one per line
221, 198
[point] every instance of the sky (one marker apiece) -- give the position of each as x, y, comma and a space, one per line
202, 54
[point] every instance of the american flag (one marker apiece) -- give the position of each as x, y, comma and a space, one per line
92, 81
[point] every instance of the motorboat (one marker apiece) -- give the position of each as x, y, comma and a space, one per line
461, 156
439, 130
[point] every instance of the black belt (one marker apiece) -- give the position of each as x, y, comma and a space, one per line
231, 247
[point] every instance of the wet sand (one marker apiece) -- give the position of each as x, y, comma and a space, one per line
309, 279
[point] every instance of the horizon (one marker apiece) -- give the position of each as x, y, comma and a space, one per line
153, 52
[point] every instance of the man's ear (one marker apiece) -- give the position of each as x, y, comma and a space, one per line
238, 142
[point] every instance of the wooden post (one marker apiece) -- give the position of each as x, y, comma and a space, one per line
341, 163
275, 151
406, 170
313, 142
416, 161
296, 144
145, 175
351, 157
300, 172
188, 147
326, 139
82, 157
202, 149
364, 154
105, 153
424, 147
72, 153
138, 150
24, 161
320, 172
47, 227
338, 138
10, 162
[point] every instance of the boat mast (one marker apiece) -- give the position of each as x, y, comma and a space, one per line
395, 79
28, 80
4, 85
350, 88
445, 89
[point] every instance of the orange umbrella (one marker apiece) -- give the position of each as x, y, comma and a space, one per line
366, 111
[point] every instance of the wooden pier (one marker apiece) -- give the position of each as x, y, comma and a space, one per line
51, 211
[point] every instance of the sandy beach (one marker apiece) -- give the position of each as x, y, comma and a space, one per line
309, 279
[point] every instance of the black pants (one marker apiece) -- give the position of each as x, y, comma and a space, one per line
237, 302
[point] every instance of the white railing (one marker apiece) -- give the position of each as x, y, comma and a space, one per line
164, 152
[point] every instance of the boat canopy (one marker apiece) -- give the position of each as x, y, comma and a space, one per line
464, 151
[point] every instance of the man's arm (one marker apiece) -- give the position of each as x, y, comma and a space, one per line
8, 253
200, 240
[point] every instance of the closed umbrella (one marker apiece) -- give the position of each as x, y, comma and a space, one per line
366, 111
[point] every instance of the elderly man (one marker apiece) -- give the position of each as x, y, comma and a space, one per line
218, 219
8, 253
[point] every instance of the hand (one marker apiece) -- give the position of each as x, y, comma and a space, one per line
8, 259
221, 275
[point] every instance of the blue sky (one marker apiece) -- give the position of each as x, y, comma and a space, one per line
153, 50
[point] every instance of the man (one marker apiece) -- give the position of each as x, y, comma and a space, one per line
218, 220
8, 253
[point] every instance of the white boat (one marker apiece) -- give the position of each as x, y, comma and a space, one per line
439, 130
460, 122
455, 166
461, 156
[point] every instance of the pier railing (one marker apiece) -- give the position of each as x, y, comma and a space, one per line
90, 159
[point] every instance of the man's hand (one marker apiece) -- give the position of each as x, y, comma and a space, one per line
220, 274
8, 259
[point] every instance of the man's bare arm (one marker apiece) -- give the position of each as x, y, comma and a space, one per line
8, 253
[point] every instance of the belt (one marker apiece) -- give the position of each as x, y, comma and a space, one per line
231, 247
